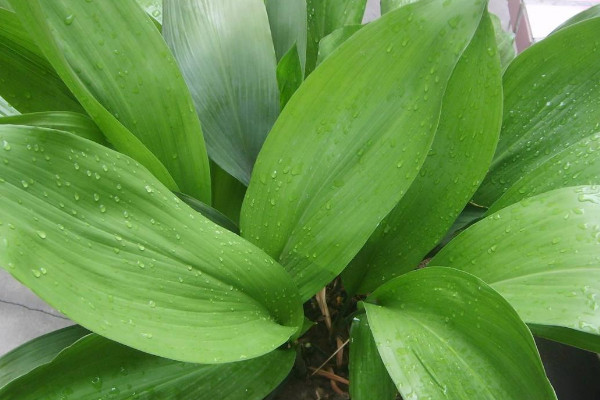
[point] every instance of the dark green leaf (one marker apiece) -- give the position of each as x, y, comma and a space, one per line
329, 43
36, 352
209, 212
225, 51
550, 101
463, 147
322, 184
324, 17
228, 193
444, 334
99, 238
96, 368
122, 72
368, 377
287, 19
542, 255
289, 75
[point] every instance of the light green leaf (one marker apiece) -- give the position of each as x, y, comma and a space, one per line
228, 193
578, 164
96, 368
463, 147
592, 12
505, 42
326, 16
209, 212
329, 43
390, 5
322, 184
36, 352
27, 80
225, 51
6, 109
444, 334
288, 20
550, 102
122, 72
153, 8
289, 75
368, 377
81, 223
542, 255
75, 123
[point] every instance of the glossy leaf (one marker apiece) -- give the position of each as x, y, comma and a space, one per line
77, 124
36, 352
27, 80
288, 22
326, 16
390, 5
444, 334
329, 43
225, 51
99, 238
550, 101
542, 255
95, 368
368, 377
592, 12
153, 8
463, 147
289, 75
127, 82
578, 164
505, 42
321, 185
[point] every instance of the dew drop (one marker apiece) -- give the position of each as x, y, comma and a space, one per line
69, 19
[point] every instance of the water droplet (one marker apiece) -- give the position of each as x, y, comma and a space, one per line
41, 234
152, 304
149, 189
69, 19
36, 273
5, 145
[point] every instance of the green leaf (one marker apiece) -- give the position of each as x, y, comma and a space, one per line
6, 109
129, 84
209, 212
287, 19
326, 16
36, 352
322, 184
77, 124
390, 5
225, 51
592, 12
81, 223
289, 75
368, 377
228, 193
549, 104
329, 43
96, 368
578, 164
467, 217
153, 8
28, 81
505, 42
444, 334
463, 147
541, 254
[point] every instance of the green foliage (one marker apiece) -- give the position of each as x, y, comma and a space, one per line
340, 151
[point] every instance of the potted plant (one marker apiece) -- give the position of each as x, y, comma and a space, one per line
344, 154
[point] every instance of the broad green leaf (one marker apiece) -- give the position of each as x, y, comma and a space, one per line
227, 192
505, 42
96, 368
288, 20
592, 12
326, 16
123, 74
467, 217
36, 352
81, 223
444, 334
5, 4
578, 164
542, 255
75, 123
329, 43
225, 51
463, 147
209, 212
322, 184
27, 80
153, 8
289, 75
368, 377
550, 102
6, 109
390, 5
